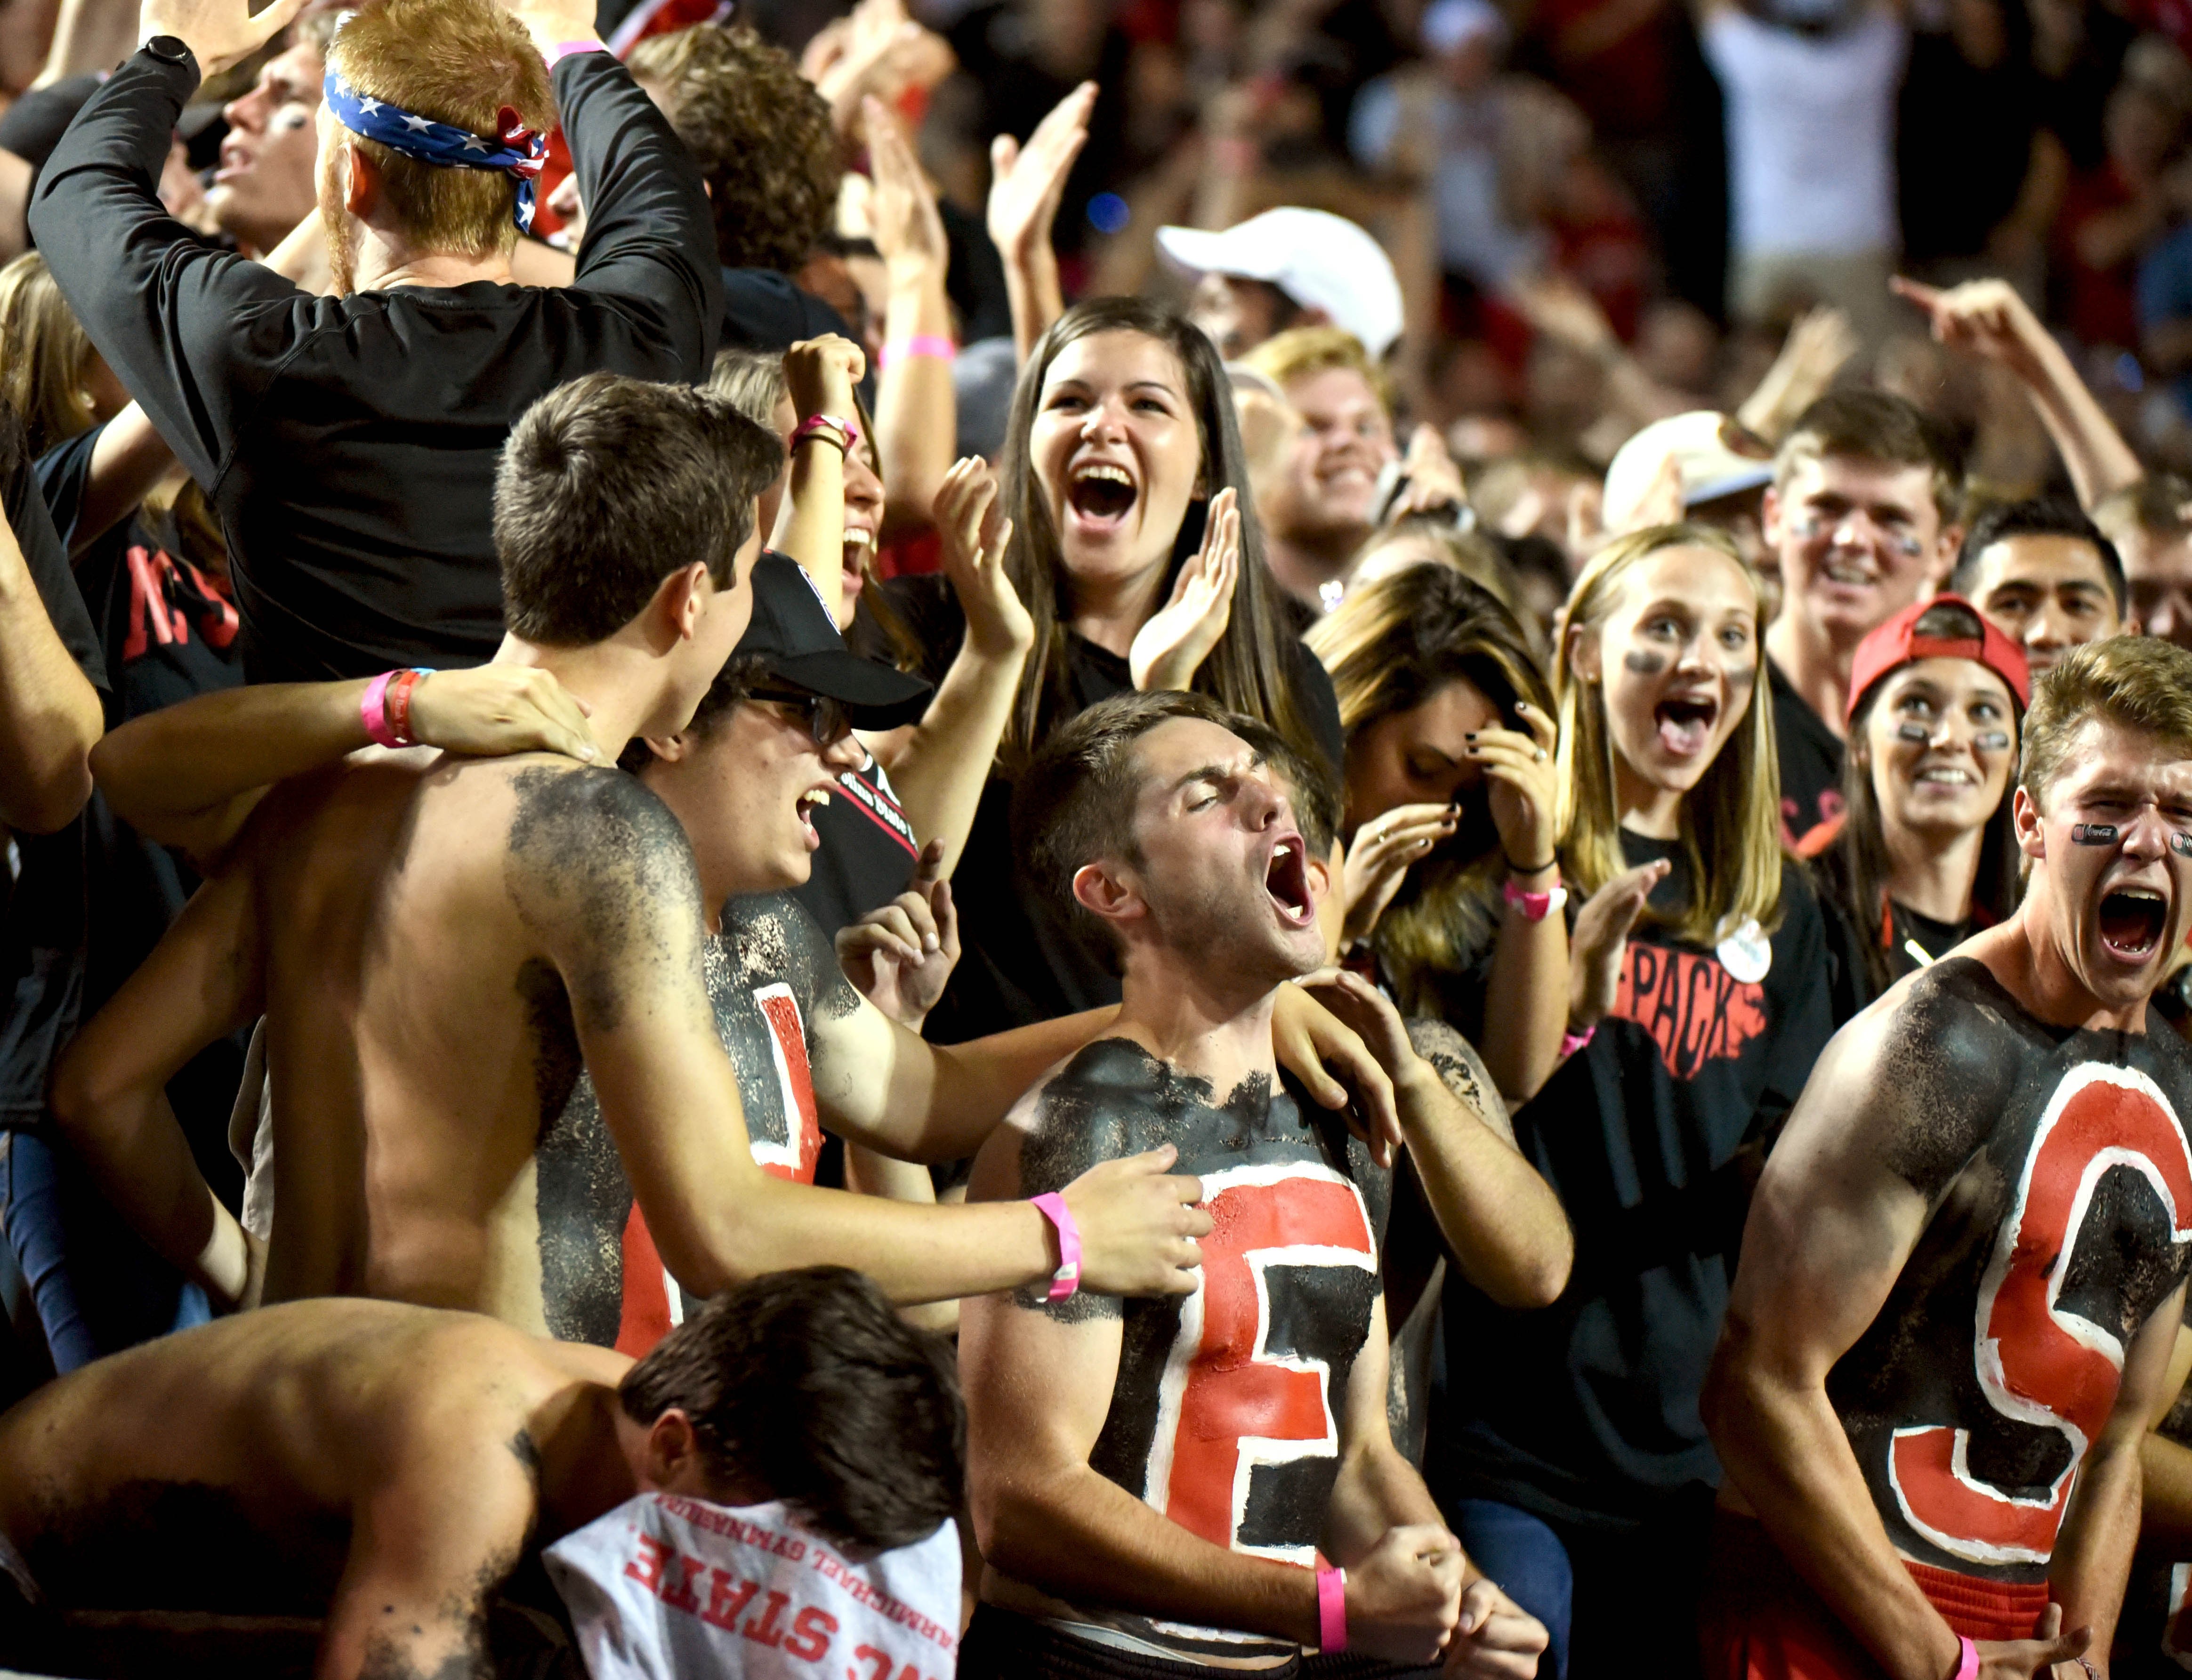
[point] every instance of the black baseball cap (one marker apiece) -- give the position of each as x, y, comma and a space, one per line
794, 636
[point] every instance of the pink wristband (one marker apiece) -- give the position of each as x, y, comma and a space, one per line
372, 710
1967, 1668
1535, 906
565, 49
1571, 1041
1067, 1278
934, 346
1331, 1609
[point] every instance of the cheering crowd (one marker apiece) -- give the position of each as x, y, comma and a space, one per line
1051, 839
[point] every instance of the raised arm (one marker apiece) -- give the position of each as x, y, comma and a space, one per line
810, 525
650, 241
189, 774
602, 874
1038, 1379
168, 312
1500, 1219
1025, 185
1845, 1196
50, 713
109, 1097
1988, 318
940, 765
127, 463
916, 409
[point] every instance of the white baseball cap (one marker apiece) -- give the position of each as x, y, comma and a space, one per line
1716, 457
1320, 261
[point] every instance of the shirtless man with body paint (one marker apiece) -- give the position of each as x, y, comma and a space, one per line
439, 945
390, 1468
1965, 1264
1155, 1482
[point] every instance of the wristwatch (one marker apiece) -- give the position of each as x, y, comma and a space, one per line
170, 48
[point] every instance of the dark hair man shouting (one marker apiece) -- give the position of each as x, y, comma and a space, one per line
1965, 1264
1157, 1488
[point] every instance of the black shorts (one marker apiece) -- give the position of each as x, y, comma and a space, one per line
1006, 1645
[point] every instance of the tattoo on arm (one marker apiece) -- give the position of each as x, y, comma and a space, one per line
1462, 1069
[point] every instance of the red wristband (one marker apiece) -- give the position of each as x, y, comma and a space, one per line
1331, 1609
399, 702
1067, 1278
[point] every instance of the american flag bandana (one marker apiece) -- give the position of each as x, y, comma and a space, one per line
518, 149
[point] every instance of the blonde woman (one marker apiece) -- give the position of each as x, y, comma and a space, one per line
1575, 1461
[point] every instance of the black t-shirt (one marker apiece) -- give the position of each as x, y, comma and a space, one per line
1811, 757
1587, 1410
349, 444
1020, 962
95, 898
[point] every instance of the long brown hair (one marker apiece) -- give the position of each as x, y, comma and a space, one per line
1731, 821
1390, 646
1248, 671
45, 355
1860, 869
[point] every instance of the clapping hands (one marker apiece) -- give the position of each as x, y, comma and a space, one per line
1170, 649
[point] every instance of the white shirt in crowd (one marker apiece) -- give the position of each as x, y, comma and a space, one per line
1810, 133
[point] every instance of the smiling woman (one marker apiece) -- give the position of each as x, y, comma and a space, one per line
1139, 557
1928, 853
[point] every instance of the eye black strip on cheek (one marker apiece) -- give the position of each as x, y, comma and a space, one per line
1644, 662
2180, 843
1994, 740
2093, 833
1916, 734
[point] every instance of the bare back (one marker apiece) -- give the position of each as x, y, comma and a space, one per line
427, 922
219, 1469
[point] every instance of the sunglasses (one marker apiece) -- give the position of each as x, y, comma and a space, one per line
828, 720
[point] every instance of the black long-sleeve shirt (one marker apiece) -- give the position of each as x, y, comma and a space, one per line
349, 444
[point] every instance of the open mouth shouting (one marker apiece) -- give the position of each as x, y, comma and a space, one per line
859, 544
1685, 724
808, 802
1101, 495
1286, 880
2131, 921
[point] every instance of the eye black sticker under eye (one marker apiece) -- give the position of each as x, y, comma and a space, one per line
1644, 662
2093, 833
2180, 843
1994, 740
1741, 677
1917, 734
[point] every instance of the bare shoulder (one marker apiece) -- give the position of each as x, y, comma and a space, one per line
601, 874
1111, 1098
1456, 1063
1916, 1082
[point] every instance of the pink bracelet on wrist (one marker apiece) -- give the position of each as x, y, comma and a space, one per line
1067, 1278
830, 428
936, 346
563, 49
1535, 906
372, 710
1571, 1041
1330, 1608
1968, 1664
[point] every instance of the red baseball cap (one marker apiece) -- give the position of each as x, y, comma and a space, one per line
1899, 643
